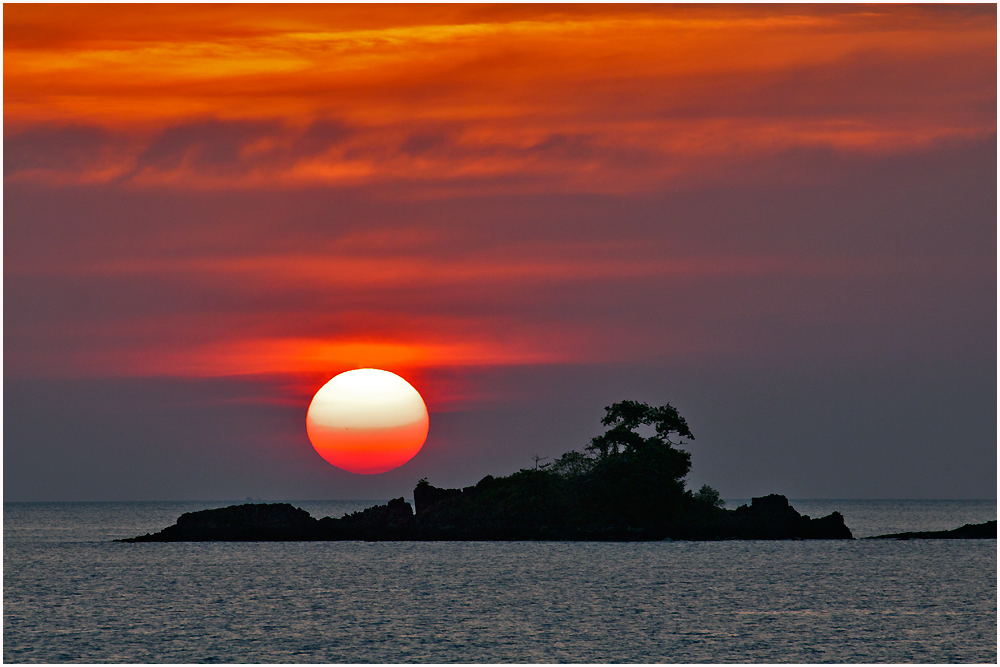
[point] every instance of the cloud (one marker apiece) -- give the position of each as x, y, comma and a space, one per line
886, 258
530, 211
68, 154
576, 100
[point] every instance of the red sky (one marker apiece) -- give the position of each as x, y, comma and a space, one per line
273, 194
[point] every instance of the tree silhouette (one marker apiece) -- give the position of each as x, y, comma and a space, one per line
573, 464
625, 417
536, 458
709, 496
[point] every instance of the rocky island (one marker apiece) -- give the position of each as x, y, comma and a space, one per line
970, 531
623, 487
767, 518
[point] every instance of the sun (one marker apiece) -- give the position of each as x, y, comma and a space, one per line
367, 421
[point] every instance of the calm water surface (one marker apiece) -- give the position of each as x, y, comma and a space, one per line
71, 595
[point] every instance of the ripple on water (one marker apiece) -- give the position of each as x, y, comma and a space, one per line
502, 602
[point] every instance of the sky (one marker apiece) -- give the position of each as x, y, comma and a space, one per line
779, 219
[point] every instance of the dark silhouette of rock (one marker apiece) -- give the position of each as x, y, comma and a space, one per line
281, 522
470, 514
239, 523
527, 507
772, 518
380, 523
970, 531
426, 495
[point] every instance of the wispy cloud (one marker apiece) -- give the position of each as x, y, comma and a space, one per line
244, 190
574, 100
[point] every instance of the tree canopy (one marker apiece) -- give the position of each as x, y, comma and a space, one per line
626, 417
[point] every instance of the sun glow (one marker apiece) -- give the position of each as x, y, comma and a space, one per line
367, 421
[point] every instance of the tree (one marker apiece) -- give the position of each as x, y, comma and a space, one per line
536, 458
625, 417
709, 496
573, 464
637, 481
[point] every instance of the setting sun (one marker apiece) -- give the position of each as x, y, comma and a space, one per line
367, 421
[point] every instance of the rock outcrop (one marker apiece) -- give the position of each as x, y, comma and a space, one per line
533, 508
391, 522
772, 518
272, 522
970, 531
461, 515
281, 522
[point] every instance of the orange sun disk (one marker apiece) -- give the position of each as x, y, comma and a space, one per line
367, 421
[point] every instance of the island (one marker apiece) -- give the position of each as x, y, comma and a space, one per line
622, 487
970, 531
767, 518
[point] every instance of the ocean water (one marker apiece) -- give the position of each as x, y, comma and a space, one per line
70, 594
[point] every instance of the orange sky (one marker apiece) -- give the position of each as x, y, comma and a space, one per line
604, 98
779, 218
441, 103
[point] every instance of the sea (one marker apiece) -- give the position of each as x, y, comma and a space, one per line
71, 594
